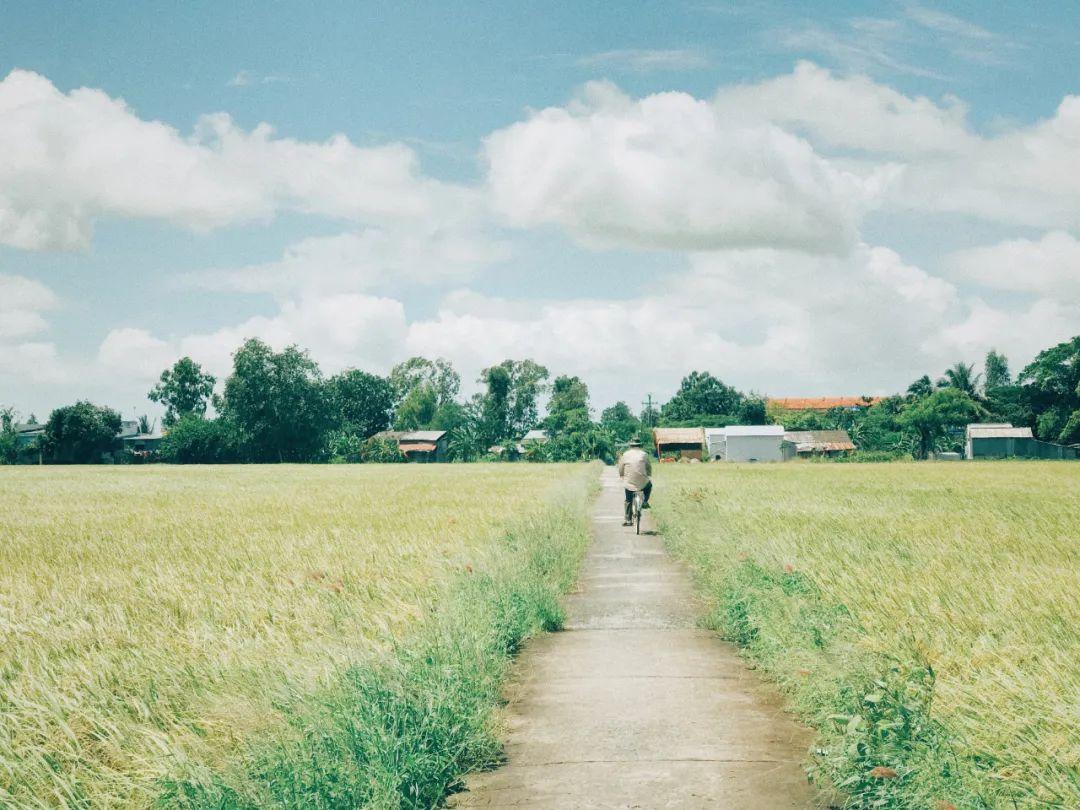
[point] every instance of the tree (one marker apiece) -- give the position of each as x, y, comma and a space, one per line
183, 389
9, 439
359, 403
922, 387
527, 383
1052, 389
962, 376
277, 403
494, 425
381, 450
196, 440
995, 371
752, 411
932, 415
620, 422
700, 395
146, 425
416, 371
568, 408
80, 433
418, 409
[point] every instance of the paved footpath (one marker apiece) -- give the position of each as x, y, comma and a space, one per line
632, 706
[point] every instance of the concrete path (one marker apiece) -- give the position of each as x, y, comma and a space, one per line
632, 706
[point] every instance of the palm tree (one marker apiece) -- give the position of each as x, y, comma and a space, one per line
963, 377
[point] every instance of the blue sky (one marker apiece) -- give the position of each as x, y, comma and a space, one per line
803, 198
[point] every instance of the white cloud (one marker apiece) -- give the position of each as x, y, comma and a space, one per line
852, 112
69, 159
778, 321
646, 60
668, 171
341, 331
1028, 176
1024, 331
372, 258
1049, 266
921, 155
22, 302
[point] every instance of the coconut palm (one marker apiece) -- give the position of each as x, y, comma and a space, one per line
963, 377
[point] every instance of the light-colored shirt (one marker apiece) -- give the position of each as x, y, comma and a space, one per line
635, 469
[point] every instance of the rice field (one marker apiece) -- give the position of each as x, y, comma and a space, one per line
161, 627
926, 618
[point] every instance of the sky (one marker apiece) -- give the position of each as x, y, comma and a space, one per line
802, 198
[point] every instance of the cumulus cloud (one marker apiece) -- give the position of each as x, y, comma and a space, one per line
24, 303
70, 158
1027, 176
372, 258
1048, 266
779, 321
345, 330
852, 112
924, 154
669, 171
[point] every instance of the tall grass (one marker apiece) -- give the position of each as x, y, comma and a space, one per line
926, 618
291, 636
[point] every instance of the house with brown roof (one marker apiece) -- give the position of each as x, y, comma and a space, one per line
683, 442
820, 442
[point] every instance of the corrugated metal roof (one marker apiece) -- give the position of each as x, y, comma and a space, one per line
678, 435
535, 436
422, 436
998, 432
820, 440
820, 403
754, 430
419, 447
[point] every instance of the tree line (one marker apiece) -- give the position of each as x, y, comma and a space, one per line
278, 406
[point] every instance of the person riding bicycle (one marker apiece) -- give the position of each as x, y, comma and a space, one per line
635, 470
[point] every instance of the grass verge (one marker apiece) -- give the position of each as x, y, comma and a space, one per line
401, 730
918, 616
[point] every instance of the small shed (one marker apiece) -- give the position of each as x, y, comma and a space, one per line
997, 440
26, 433
686, 442
755, 443
424, 445
820, 442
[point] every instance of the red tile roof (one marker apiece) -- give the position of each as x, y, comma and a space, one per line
820, 403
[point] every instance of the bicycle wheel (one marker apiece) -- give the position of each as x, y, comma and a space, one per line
637, 516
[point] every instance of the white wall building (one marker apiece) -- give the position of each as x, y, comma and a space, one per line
751, 443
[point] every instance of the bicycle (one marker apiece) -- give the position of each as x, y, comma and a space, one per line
635, 510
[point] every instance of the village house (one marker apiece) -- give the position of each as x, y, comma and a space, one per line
681, 442
749, 443
424, 446
820, 442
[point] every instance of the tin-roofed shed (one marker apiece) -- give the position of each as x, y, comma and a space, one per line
755, 443
685, 442
424, 445
1002, 440
820, 442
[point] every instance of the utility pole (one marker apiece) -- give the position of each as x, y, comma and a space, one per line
648, 409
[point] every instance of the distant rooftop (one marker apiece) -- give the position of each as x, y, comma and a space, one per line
422, 436
998, 431
754, 430
821, 403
